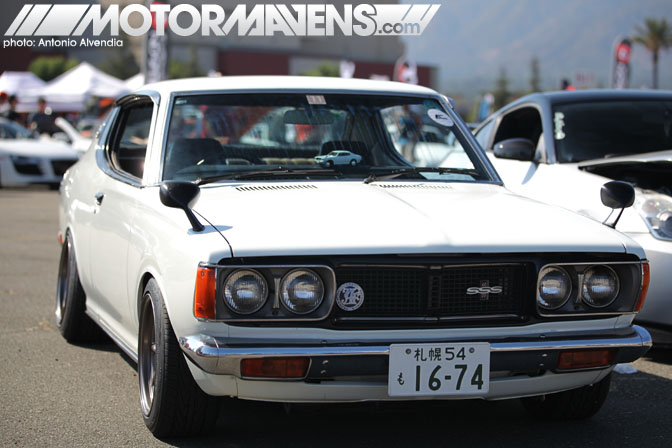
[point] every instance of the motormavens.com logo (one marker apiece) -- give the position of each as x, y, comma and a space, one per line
73, 20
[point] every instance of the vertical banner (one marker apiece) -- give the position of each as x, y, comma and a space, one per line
155, 55
620, 75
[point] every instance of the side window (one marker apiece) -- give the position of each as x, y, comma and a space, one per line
129, 142
521, 123
483, 136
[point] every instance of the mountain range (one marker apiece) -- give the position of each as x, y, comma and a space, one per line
471, 41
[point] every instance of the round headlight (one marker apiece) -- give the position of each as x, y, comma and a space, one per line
600, 286
554, 287
245, 291
302, 291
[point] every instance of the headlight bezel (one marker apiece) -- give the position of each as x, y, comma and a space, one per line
629, 277
273, 310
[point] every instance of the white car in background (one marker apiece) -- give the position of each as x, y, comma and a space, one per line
339, 158
26, 159
558, 147
70, 135
280, 279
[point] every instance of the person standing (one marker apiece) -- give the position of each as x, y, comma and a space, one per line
11, 113
42, 121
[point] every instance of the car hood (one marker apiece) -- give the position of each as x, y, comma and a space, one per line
38, 148
290, 218
658, 156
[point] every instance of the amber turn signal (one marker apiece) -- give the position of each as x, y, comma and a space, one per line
585, 359
646, 277
204, 297
274, 367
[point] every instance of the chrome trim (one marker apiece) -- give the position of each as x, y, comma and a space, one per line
103, 157
298, 318
213, 356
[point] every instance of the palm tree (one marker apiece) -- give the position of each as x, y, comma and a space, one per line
656, 35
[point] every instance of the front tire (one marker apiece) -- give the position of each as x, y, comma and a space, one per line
172, 403
575, 404
71, 319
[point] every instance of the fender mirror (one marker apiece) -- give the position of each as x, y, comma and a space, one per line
617, 194
515, 149
182, 195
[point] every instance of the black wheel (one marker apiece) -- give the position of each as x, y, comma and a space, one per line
71, 319
575, 404
353, 162
330, 163
172, 403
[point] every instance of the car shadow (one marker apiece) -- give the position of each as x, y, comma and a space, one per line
630, 414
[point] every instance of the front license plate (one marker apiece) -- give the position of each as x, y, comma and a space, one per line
439, 369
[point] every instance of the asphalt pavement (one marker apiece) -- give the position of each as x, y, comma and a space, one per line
53, 394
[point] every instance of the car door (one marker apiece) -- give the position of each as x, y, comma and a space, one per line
115, 196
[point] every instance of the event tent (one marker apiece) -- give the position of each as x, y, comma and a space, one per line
71, 91
13, 82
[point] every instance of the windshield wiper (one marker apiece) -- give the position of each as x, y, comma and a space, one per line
398, 172
271, 172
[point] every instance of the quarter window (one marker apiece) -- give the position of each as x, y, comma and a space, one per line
129, 143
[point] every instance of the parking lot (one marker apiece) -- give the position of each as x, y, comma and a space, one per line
56, 394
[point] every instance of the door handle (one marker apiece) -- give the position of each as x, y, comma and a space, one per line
99, 198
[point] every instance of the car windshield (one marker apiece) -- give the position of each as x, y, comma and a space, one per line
595, 130
11, 130
227, 136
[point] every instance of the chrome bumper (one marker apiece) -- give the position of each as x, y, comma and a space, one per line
535, 352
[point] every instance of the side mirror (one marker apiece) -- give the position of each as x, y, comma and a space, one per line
617, 194
515, 149
182, 195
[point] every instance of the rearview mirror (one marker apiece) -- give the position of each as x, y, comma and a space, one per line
182, 195
515, 149
617, 194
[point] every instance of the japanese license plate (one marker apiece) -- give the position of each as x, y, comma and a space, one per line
439, 369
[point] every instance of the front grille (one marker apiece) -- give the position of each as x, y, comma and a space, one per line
61, 166
438, 291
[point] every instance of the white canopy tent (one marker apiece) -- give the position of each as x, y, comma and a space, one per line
13, 82
71, 91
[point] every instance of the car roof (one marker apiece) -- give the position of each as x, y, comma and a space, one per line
577, 96
287, 83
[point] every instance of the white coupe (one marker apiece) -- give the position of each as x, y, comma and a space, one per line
228, 263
